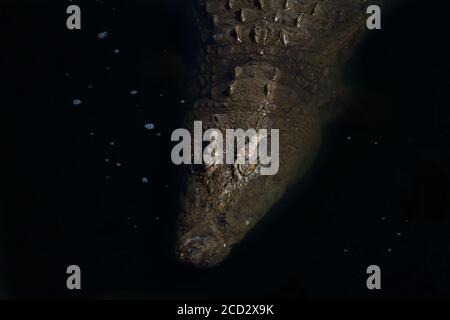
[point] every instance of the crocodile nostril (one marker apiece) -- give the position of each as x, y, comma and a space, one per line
195, 242
192, 250
201, 251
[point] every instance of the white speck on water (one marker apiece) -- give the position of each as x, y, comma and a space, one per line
116, 51
375, 143
157, 218
76, 102
91, 133
111, 143
247, 222
67, 74
182, 101
133, 92
399, 234
345, 250
159, 134
118, 164
108, 68
107, 160
161, 95
349, 138
149, 126
389, 250
90, 86
103, 35
383, 218
224, 245
135, 226
144, 180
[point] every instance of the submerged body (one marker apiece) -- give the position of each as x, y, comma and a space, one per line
265, 64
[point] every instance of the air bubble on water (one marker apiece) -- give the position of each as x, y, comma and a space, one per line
345, 250
107, 160
133, 92
389, 250
349, 138
103, 34
182, 101
91, 133
399, 234
118, 164
149, 126
116, 51
111, 143
144, 180
76, 102
161, 95
383, 218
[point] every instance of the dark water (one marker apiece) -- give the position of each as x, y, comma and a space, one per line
73, 189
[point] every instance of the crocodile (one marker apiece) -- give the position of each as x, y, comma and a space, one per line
262, 64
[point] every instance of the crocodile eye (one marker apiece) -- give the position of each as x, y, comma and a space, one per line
246, 169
